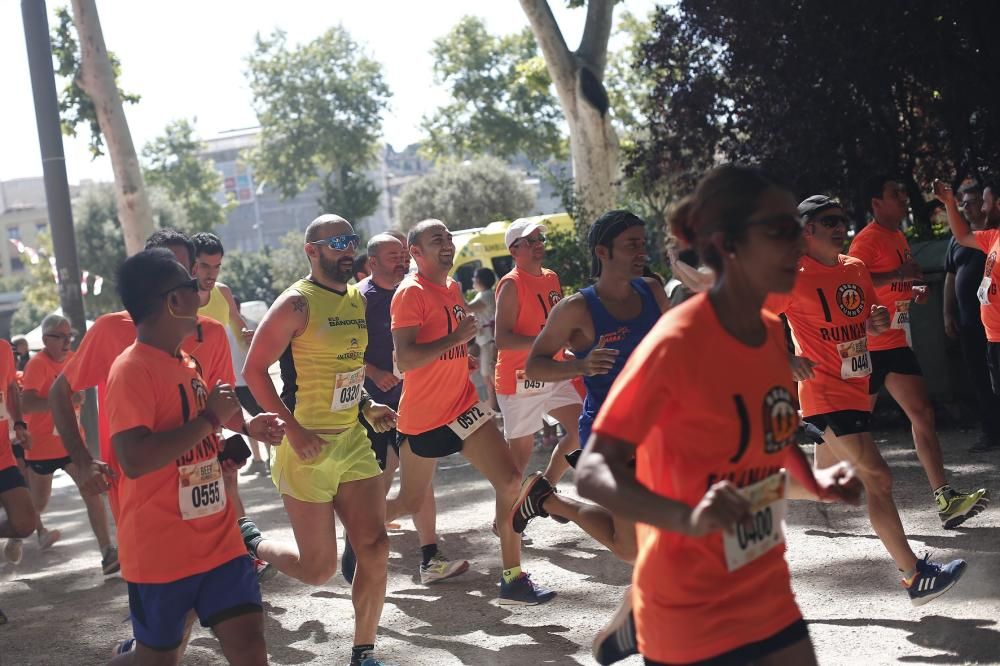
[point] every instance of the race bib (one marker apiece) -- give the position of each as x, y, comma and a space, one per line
200, 489
902, 317
527, 386
764, 529
983, 293
471, 420
855, 360
347, 390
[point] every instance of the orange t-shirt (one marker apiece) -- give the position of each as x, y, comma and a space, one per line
8, 374
828, 311
176, 521
435, 394
989, 303
702, 407
536, 296
105, 341
39, 374
884, 251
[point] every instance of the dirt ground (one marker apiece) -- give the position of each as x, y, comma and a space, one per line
61, 609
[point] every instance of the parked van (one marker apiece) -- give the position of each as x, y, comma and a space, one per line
475, 248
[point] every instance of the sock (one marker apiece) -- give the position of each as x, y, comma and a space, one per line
251, 535
512, 573
944, 490
359, 652
427, 552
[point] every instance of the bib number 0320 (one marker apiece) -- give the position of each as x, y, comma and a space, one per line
347, 390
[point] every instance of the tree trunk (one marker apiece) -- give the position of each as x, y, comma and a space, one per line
98, 80
578, 79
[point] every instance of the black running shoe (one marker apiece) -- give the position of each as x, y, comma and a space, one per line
534, 490
616, 640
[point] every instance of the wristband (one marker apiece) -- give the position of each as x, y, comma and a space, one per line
212, 419
20, 424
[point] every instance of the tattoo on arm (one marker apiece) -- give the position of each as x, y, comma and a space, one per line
299, 304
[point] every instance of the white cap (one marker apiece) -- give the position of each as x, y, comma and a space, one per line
519, 229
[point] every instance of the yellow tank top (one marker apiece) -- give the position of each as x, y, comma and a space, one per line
216, 308
326, 368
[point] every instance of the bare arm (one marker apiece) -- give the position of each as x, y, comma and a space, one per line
563, 321
659, 293
507, 309
411, 355
32, 403
236, 323
141, 451
286, 319
959, 227
60, 401
14, 402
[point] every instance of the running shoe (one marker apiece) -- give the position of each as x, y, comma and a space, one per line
348, 562
616, 640
369, 659
525, 539
534, 490
932, 580
440, 568
263, 569
123, 647
251, 535
13, 551
46, 538
956, 507
109, 563
522, 591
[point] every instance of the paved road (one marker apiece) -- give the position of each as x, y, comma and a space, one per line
62, 611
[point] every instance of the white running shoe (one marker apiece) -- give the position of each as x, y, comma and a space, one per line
46, 538
13, 551
440, 568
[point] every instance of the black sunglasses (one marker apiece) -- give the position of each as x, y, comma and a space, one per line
191, 284
831, 221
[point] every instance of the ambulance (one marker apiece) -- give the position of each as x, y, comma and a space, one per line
484, 246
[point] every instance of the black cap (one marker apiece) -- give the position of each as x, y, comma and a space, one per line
817, 203
605, 229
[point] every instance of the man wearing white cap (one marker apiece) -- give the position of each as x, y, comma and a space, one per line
525, 296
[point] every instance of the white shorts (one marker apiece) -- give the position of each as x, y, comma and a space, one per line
523, 414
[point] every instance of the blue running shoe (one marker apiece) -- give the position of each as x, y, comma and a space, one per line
348, 562
932, 580
522, 591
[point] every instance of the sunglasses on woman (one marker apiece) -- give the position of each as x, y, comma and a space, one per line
340, 242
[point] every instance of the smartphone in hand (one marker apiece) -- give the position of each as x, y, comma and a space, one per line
236, 449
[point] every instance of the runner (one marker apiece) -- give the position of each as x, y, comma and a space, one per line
884, 250
525, 296
383, 381
965, 269
259, 465
439, 410
734, 600
47, 453
484, 306
216, 299
833, 313
19, 517
181, 549
325, 466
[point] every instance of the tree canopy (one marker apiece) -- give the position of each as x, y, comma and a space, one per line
320, 108
466, 195
823, 95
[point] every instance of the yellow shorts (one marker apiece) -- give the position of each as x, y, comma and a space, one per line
347, 457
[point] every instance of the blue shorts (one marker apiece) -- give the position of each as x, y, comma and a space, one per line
158, 610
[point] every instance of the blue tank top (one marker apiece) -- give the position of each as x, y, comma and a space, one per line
616, 334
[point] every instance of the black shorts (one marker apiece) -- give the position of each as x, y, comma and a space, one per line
381, 441
48, 466
18, 451
246, 399
436, 443
846, 422
10, 478
900, 360
993, 365
746, 654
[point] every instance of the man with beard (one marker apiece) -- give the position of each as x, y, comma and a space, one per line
325, 466
964, 267
387, 260
216, 299
440, 411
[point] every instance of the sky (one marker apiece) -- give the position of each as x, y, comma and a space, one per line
186, 59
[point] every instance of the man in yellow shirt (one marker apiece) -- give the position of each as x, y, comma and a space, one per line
216, 299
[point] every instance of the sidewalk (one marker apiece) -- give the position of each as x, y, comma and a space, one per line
61, 610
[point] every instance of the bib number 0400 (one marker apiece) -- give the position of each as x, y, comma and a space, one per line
763, 529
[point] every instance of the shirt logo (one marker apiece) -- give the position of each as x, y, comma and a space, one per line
554, 297
612, 337
781, 420
850, 299
459, 312
354, 343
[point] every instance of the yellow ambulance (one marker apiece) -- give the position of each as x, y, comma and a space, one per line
484, 246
